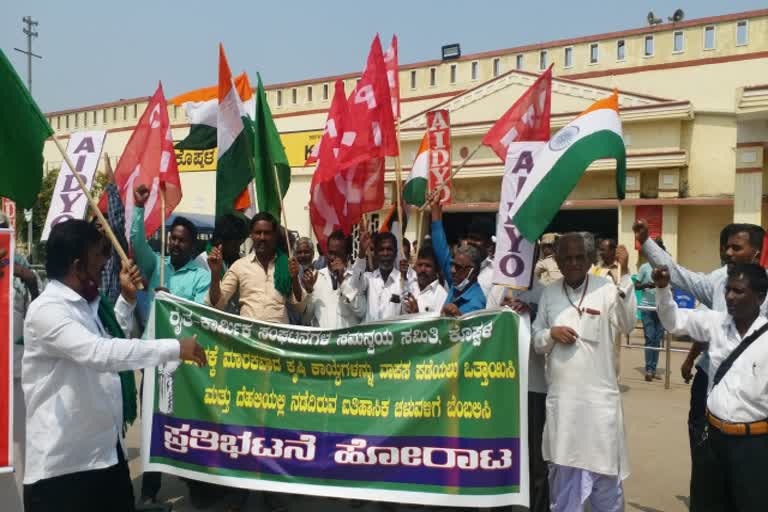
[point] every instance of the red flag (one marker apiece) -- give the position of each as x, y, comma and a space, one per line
526, 120
369, 131
393, 77
149, 159
764, 252
326, 203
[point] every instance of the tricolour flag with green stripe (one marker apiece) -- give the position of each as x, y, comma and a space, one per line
559, 165
415, 190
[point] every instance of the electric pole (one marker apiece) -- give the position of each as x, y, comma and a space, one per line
30, 31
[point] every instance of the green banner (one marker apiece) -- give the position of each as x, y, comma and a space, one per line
415, 410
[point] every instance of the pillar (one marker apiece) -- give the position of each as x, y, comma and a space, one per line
748, 189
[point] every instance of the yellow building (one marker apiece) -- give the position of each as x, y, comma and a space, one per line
694, 103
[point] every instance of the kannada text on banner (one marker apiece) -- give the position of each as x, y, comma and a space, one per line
415, 410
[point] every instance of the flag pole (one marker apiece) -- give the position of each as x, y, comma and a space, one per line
92, 202
440, 187
163, 236
398, 188
282, 210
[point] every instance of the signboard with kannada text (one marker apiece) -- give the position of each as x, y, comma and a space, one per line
419, 409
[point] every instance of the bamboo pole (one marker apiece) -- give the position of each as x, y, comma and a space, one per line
92, 202
440, 187
163, 236
282, 210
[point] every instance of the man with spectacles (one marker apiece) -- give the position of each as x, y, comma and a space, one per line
465, 294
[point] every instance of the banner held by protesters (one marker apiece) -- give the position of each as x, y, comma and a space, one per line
420, 410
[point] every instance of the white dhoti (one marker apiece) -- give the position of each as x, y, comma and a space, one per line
571, 488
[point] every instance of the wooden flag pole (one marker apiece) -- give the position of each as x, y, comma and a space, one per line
92, 202
398, 190
440, 187
163, 236
282, 210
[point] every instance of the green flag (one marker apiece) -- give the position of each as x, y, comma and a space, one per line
271, 162
23, 130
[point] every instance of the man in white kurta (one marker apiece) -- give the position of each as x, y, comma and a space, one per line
578, 319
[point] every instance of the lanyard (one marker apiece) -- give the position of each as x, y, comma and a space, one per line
578, 308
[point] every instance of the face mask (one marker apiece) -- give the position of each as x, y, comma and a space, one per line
460, 287
90, 290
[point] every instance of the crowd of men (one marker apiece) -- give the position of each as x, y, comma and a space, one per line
81, 342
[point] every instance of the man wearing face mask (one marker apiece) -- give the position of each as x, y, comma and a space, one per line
332, 301
267, 280
70, 379
742, 244
429, 295
480, 236
465, 294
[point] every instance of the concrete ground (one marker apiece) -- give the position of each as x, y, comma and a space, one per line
656, 431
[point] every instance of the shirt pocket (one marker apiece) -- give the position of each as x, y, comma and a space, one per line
589, 327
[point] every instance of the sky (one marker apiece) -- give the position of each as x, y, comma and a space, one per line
101, 51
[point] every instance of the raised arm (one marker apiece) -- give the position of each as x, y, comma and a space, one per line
680, 322
145, 257
625, 313
439, 240
697, 284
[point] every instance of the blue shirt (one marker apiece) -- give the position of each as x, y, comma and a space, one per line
190, 282
647, 295
472, 298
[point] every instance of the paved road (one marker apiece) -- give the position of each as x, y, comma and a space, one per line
657, 439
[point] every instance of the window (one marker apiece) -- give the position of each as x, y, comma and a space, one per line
475, 70
125, 112
325, 92
279, 98
114, 114
709, 37
453, 73
648, 51
135, 111
77, 119
309, 94
568, 57
175, 111
58, 122
294, 96
621, 47
95, 118
413, 79
496, 67
432, 77
66, 122
519, 62
85, 118
742, 33
594, 53
677, 42
543, 59
104, 116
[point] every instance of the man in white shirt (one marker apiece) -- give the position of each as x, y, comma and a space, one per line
426, 295
72, 390
332, 301
384, 287
576, 326
729, 458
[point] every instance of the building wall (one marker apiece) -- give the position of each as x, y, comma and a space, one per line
699, 234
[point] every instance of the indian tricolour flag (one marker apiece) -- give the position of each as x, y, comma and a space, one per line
559, 165
415, 191
234, 138
202, 108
